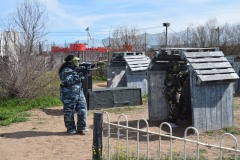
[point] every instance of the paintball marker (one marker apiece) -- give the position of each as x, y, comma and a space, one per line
85, 68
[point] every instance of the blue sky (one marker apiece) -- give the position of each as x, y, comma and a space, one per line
69, 18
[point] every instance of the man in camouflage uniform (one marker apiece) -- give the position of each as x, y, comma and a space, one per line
173, 89
72, 96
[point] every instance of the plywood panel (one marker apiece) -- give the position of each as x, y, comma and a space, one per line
116, 77
211, 65
203, 54
138, 80
215, 77
157, 103
114, 97
212, 105
215, 71
207, 59
137, 63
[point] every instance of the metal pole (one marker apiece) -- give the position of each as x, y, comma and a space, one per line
166, 37
145, 42
97, 136
187, 38
166, 25
109, 41
218, 35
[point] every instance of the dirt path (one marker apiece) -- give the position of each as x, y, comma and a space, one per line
44, 136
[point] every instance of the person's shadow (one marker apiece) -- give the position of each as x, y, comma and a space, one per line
53, 111
25, 134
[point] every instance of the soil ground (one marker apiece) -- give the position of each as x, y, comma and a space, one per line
44, 137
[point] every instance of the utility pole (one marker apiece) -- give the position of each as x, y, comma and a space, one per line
187, 37
166, 25
88, 36
109, 40
92, 41
145, 42
218, 36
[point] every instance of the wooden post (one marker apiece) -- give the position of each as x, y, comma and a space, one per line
97, 136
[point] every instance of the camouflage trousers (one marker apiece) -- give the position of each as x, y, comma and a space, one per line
173, 112
74, 102
174, 106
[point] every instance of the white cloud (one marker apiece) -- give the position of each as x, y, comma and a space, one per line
105, 15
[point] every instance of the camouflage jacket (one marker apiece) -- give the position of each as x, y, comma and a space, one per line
70, 80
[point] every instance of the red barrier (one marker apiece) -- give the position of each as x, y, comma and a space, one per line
127, 47
98, 49
54, 49
78, 47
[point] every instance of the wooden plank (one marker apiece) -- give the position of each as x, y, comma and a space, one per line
203, 54
215, 71
207, 59
116, 77
139, 62
196, 99
213, 109
134, 62
138, 65
209, 101
139, 69
138, 80
135, 56
210, 65
216, 77
228, 106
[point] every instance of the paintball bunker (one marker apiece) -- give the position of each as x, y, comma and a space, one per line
108, 97
128, 69
208, 94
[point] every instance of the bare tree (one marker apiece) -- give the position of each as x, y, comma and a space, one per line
127, 36
230, 38
25, 72
212, 32
161, 38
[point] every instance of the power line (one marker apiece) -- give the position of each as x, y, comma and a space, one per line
179, 34
150, 28
75, 35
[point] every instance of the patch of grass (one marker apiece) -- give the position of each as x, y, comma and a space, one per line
145, 99
232, 130
99, 79
118, 110
236, 105
210, 133
14, 110
122, 156
236, 102
229, 158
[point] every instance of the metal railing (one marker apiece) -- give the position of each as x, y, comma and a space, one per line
160, 134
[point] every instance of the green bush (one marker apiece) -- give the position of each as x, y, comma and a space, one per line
100, 73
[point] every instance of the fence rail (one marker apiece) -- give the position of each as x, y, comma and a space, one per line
160, 134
